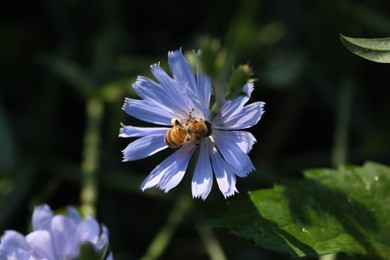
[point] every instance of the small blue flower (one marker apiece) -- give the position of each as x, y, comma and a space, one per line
54, 237
182, 102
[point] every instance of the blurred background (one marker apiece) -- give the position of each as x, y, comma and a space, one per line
67, 65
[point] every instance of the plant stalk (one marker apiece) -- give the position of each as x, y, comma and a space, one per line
90, 164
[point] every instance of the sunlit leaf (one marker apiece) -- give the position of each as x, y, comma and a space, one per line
345, 210
376, 49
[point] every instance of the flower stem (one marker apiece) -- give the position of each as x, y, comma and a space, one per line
212, 245
182, 207
339, 150
90, 164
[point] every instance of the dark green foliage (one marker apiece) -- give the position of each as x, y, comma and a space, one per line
330, 211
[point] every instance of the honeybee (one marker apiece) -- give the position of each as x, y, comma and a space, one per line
175, 136
193, 131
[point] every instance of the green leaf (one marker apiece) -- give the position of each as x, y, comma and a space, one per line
345, 210
377, 49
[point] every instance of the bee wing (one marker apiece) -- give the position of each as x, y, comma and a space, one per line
180, 113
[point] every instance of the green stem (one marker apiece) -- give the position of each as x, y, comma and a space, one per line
90, 164
181, 208
339, 151
212, 245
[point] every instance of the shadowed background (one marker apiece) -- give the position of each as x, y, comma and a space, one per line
325, 106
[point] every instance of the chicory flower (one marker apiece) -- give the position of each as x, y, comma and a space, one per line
180, 106
55, 237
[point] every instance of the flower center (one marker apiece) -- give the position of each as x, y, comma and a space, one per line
193, 131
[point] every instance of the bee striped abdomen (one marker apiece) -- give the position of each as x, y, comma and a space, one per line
193, 131
175, 136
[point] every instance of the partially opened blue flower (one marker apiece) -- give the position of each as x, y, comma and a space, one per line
13, 246
55, 237
180, 105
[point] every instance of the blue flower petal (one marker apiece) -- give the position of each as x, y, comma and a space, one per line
229, 109
244, 140
132, 131
62, 236
202, 181
88, 230
248, 89
198, 109
148, 111
242, 99
40, 242
181, 70
238, 159
203, 88
225, 177
110, 257
102, 243
234, 115
74, 215
244, 117
167, 97
170, 172
14, 246
247, 117
144, 147
177, 91
197, 94
42, 216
